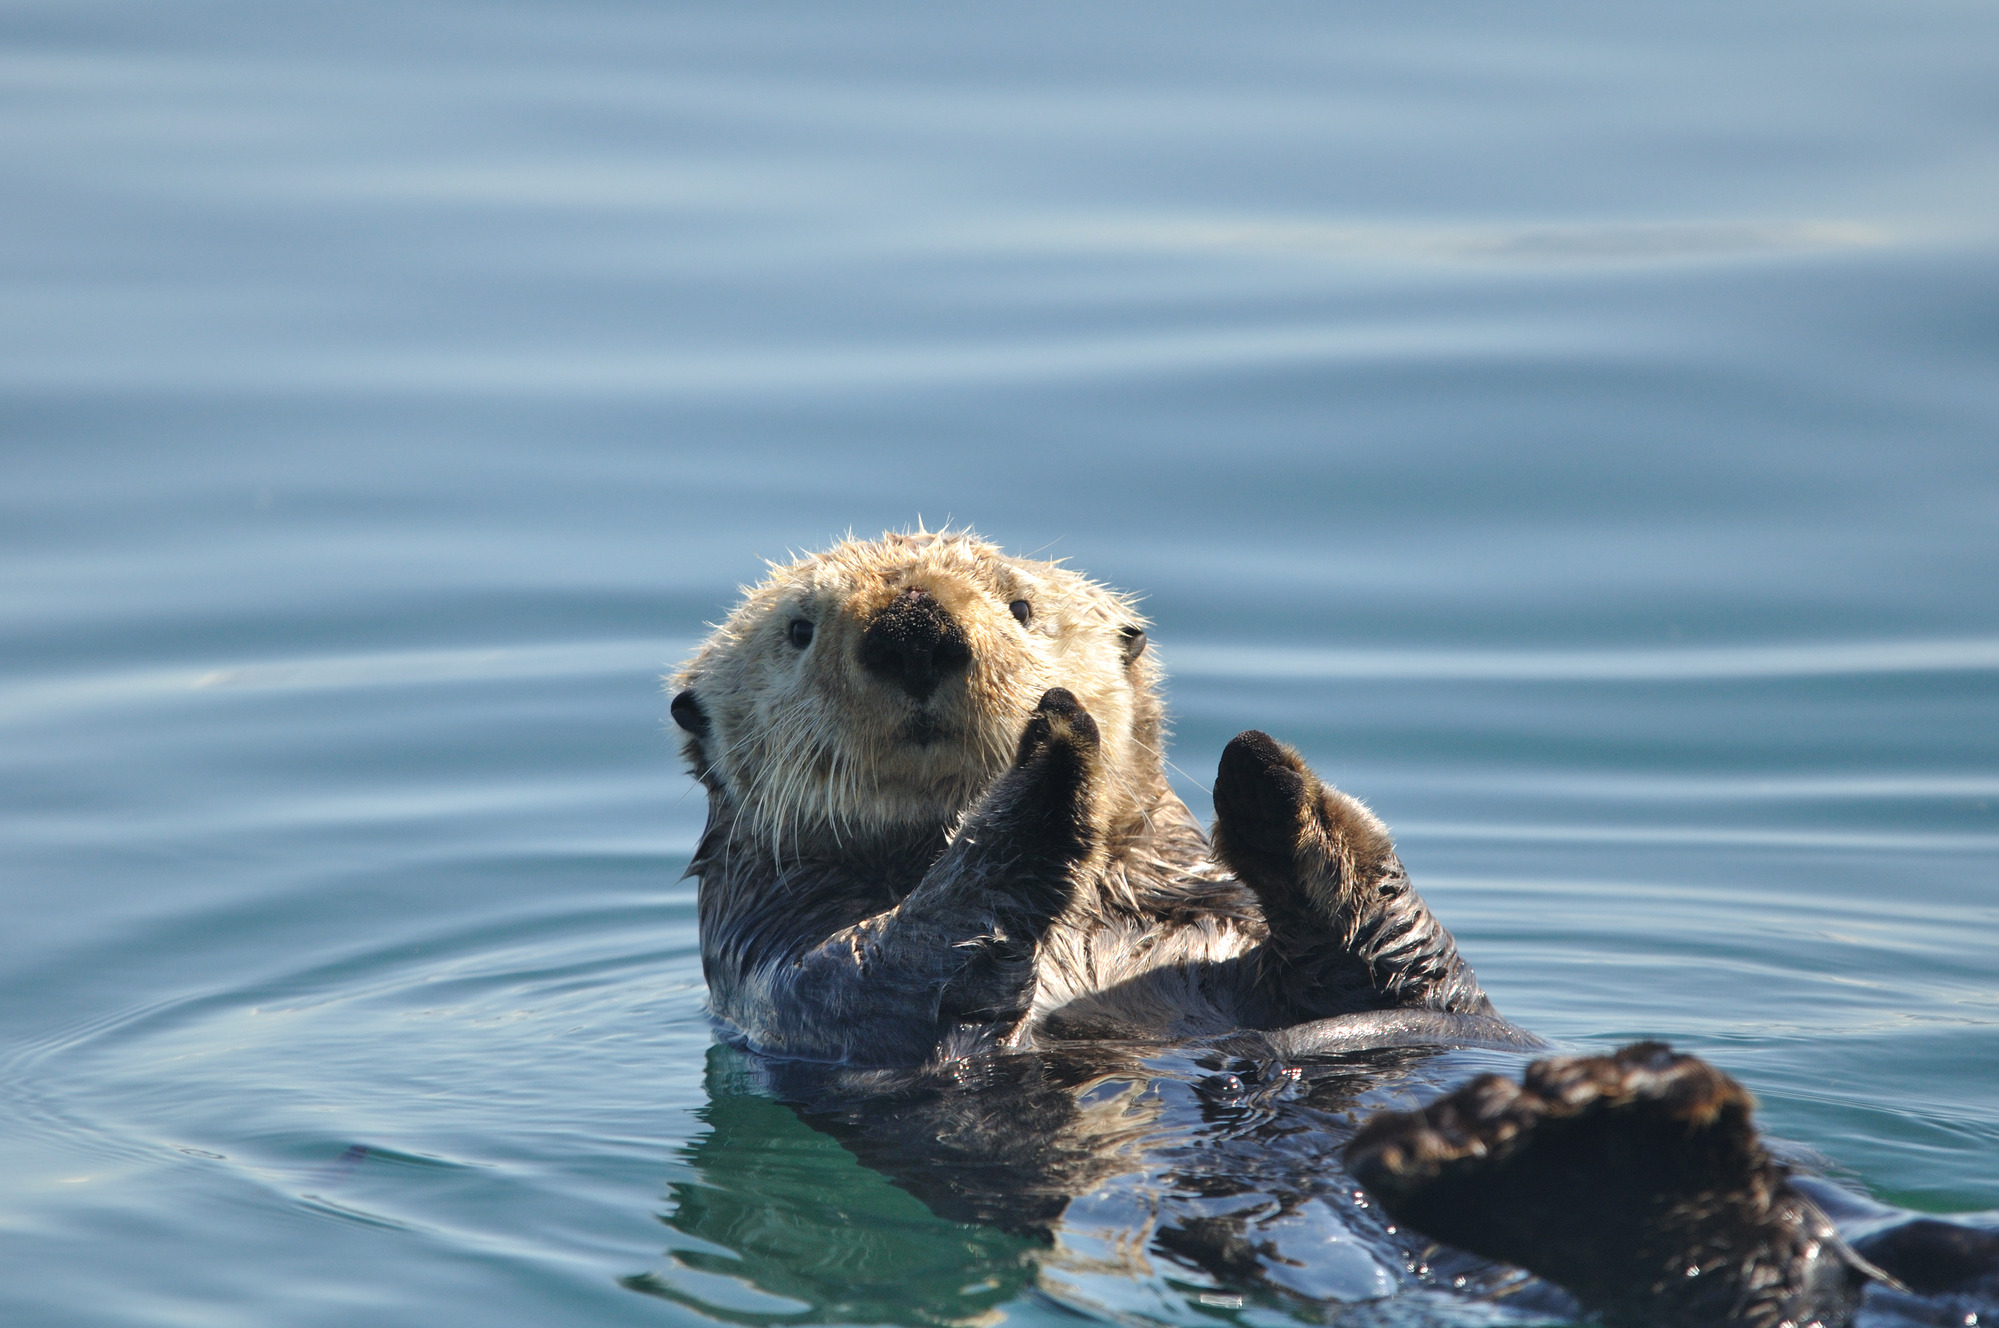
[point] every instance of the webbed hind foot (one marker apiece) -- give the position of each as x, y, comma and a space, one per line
1635, 1180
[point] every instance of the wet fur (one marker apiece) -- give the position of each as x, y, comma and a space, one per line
1635, 1180
883, 883
944, 878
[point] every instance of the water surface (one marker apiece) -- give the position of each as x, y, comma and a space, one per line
1575, 430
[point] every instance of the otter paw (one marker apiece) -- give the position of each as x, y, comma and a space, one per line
1277, 824
1263, 801
1058, 720
1636, 1180
1492, 1127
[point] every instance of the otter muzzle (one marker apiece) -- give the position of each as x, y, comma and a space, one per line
915, 644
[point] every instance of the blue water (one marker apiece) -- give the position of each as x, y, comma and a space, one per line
1577, 429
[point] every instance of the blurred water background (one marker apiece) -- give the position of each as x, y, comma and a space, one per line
1577, 428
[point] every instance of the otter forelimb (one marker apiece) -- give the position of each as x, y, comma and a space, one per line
1348, 933
951, 968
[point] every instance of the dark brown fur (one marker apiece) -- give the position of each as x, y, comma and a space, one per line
1635, 1180
939, 828
1070, 895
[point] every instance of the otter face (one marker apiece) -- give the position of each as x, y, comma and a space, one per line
881, 685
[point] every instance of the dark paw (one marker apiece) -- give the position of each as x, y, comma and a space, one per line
1492, 1126
1262, 798
1277, 825
1636, 1180
1058, 719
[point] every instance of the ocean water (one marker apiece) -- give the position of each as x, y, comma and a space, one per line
1576, 429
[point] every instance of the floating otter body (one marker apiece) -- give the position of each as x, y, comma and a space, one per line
939, 824
941, 849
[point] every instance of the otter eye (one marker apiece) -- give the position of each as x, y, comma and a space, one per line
800, 633
1022, 610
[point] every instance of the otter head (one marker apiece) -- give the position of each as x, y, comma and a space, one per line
877, 688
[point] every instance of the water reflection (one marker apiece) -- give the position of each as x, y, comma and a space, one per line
783, 1224
1155, 1186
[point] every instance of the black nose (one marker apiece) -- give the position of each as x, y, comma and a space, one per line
915, 644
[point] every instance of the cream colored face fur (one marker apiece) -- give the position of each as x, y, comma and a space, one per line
808, 744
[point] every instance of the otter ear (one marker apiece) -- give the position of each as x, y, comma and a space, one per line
687, 713
1134, 642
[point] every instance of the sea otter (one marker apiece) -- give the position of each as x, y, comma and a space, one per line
942, 850
939, 824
